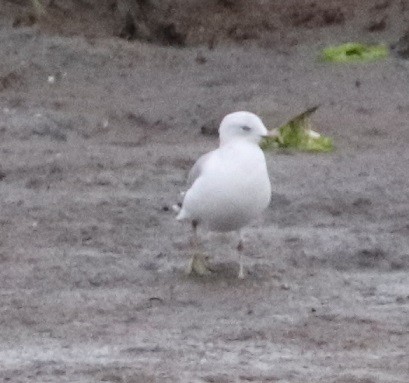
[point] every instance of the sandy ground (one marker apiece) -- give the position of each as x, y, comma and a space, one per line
92, 286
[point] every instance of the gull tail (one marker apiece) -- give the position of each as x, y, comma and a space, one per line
182, 214
178, 208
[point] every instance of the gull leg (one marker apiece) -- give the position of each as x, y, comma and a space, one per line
189, 268
240, 251
197, 264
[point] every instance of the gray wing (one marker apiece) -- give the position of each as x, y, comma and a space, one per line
197, 168
193, 175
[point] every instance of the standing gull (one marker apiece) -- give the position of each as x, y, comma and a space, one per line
230, 185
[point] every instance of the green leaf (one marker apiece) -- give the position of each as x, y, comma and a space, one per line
354, 52
297, 134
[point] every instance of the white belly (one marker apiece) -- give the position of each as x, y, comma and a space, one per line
232, 191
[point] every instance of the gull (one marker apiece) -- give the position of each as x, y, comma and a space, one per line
230, 186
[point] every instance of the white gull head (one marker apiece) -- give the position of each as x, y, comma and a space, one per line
241, 126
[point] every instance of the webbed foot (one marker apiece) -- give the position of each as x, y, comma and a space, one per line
198, 265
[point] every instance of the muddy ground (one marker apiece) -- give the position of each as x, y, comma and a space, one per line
97, 134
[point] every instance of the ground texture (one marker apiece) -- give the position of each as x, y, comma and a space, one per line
97, 134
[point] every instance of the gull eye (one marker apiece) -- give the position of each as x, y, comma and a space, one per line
246, 128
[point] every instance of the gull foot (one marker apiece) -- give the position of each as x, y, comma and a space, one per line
198, 265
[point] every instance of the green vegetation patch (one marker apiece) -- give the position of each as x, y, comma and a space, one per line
297, 134
354, 52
